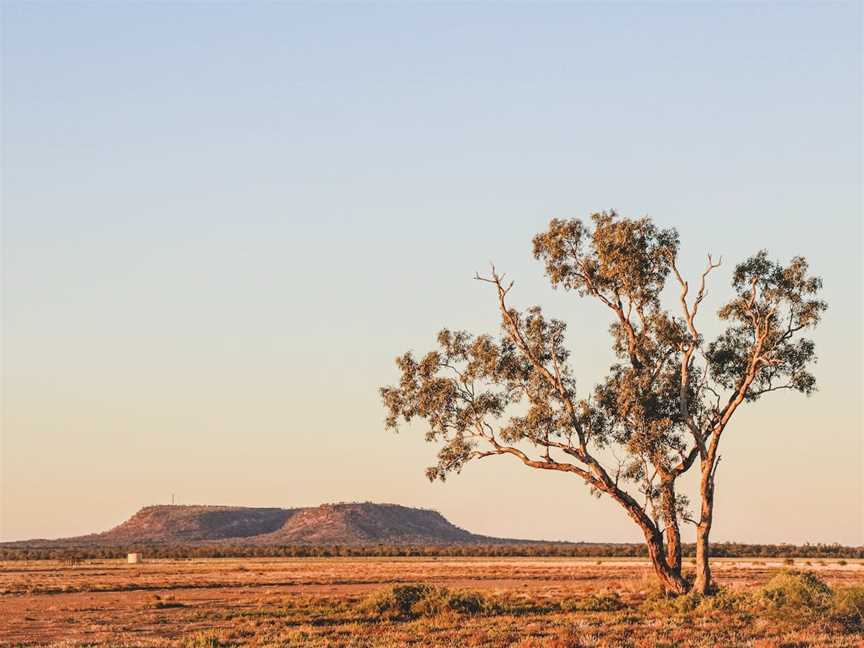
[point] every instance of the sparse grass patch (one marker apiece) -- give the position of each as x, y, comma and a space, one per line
203, 640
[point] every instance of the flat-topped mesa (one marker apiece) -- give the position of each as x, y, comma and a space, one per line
344, 523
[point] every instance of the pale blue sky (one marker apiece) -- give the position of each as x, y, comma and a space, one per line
221, 222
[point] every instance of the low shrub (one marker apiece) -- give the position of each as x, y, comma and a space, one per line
658, 601
395, 602
602, 602
721, 599
416, 600
795, 589
441, 600
847, 606
727, 600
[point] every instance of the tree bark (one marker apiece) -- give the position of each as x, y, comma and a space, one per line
672, 532
669, 576
704, 584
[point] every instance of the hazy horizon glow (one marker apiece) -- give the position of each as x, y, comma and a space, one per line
222, 223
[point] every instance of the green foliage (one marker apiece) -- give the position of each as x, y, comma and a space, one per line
796, 590
632, 257
773, 303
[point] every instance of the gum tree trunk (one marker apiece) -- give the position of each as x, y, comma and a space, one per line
672, 532
669, 575
703, 584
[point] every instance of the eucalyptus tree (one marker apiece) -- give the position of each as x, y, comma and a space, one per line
664, 404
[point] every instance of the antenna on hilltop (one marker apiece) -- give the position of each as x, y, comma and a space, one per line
172, 499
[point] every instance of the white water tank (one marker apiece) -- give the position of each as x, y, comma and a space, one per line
133, 558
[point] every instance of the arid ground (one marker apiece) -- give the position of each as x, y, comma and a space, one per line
338, 602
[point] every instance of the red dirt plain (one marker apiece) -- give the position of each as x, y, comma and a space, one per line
299, 602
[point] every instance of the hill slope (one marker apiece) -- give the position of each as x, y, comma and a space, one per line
367, 524
179, 524
328, 524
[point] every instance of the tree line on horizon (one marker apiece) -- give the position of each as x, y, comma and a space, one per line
544, 550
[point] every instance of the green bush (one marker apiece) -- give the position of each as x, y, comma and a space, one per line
395, 602
795, 589
412, 601
441, 600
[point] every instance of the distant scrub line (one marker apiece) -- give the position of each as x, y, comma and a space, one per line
720, 550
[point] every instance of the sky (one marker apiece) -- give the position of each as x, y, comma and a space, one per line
222, 222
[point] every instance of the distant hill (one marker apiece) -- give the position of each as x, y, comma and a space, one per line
329, 524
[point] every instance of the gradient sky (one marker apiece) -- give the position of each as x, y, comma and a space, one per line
221, 223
